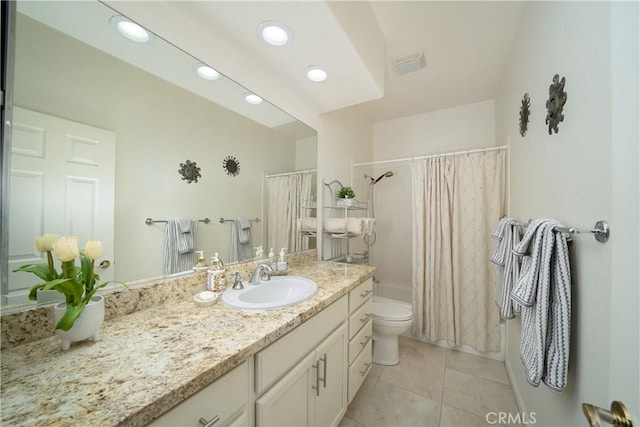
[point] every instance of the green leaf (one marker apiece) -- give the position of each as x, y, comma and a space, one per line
70, 315
40, 270
87, 271
69, 287
88, 296
33, 291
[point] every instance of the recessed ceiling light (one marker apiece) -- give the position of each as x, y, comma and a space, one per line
252, 98
316, 74
207, 72
274, 33
131, 30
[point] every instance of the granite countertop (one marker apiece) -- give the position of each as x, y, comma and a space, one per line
149, 361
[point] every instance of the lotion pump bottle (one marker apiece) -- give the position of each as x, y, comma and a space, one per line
282, 264
272, 259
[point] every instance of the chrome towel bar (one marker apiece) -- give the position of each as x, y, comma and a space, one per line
600, 230
223, 220
150, 221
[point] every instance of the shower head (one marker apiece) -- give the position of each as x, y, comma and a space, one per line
384, 175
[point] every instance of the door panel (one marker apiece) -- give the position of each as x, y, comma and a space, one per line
62, 182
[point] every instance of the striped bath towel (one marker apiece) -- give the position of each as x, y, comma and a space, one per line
179, 246
508, 234
544, 291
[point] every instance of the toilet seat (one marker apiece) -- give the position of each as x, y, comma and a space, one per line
390, 311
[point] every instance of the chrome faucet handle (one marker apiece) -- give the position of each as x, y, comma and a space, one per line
237, 283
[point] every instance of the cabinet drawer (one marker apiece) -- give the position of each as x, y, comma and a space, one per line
360, 340
277, 359
358, 370
359, 318
226, 398
360, 294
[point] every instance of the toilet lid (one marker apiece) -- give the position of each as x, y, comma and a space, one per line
391, 311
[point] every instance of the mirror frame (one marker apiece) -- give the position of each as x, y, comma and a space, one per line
7, 50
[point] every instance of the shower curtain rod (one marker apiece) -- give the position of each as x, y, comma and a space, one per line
291, 173
430, 156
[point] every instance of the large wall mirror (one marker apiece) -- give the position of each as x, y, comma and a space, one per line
102, 129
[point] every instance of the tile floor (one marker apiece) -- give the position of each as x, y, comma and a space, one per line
431, 386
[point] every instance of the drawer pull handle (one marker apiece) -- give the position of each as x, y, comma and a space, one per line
366, 317
368, 338
316, 387
366, 293
366, 367
324, 367
206, 423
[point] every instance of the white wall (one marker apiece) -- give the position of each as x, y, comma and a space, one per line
452, 129
155, 132
568, 176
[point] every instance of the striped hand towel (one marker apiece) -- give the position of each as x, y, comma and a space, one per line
508, 234
174, 260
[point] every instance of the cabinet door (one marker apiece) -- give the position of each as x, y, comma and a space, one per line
331, 371
290, 401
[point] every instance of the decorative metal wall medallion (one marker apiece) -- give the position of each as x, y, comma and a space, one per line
190, 171
524, 114
555, 104
231, 165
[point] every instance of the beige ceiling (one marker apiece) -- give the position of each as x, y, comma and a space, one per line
466, 45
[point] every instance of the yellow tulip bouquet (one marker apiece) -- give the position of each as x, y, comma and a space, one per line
77, 284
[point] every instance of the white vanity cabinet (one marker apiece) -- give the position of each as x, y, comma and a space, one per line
223, 403
312, 390
305, 378
360, 334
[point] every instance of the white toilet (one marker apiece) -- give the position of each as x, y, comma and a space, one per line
390, 319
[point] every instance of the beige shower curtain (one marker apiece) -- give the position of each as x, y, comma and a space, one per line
457, 201
285, 196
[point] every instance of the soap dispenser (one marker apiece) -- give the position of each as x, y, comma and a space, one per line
259, 251
215, 262
272, 260
215, 275
282, 264
202, 263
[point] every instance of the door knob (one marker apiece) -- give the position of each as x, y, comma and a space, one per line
618, 416
105, 264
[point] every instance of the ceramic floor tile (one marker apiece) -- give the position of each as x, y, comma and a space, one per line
376, 370
360, 399
479, 366
421, 369
390, 405
477, 395
453, 417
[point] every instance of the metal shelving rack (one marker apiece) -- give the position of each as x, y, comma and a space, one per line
343, 208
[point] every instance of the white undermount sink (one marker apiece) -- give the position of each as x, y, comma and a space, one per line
281, 291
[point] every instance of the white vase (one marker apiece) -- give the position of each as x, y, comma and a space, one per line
86, 326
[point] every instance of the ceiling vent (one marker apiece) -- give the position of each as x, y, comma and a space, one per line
410, 63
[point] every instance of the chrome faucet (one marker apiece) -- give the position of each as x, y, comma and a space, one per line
262, 272
237, 284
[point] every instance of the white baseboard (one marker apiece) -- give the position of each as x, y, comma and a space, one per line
514, 388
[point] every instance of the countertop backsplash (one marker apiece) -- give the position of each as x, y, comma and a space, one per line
36, 323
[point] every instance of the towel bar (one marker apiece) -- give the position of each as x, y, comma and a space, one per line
150, 221
600, 230
223, 220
